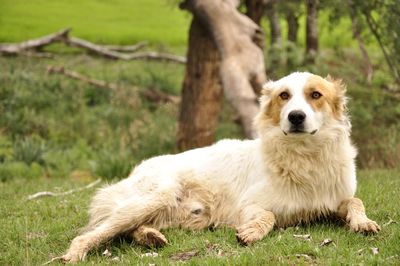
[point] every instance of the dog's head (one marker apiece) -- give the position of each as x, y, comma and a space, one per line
302, 104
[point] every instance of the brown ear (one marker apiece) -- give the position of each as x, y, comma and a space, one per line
340, 99
267, 88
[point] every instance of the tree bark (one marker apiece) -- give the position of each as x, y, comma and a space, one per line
275, 26
202, 90
312, 30
237, 38
293, 26
255, 9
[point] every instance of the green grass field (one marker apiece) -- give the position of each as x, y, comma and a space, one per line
128, 21
116, 22
57, 134
33, 232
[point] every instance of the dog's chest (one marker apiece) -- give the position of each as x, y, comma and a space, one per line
301, 192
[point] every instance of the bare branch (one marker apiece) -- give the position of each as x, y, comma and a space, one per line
155, 95
152, 95
157, 56
77, 76
112, 52
101, 50
16, 48
55, 194
126, 48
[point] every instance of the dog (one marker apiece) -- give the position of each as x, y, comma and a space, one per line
301, 168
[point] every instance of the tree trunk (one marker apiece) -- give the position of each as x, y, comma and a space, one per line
255, 9
312, 30
357, 35
202, 90
293, 26
242, 61
275, 26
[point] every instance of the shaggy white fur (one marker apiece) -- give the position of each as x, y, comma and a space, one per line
293, 173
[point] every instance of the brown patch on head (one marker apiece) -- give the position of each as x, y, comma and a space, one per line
271, 106
331, 95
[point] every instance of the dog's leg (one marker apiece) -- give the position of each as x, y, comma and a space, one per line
123, 219
149, 237
255, 223
353, 211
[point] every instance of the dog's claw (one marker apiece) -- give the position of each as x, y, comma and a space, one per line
365, 226
247, 235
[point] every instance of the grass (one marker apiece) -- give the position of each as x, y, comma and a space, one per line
57, 134
35, 231
118, 21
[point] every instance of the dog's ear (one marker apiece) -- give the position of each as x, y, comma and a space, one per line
340, 93
266, 93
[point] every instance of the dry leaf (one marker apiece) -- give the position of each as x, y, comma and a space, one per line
375, 251
183, 256
326, 242
305, 256
304, 237
107, 253
150, 254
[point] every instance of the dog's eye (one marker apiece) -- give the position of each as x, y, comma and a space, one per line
284, 95
316, 95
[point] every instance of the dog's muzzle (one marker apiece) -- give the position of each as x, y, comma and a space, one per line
296, 119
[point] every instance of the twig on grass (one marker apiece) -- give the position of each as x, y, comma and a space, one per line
58, 194
52, 260
78, 76
152, 94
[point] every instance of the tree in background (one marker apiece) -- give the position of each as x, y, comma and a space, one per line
241, 69
312, 30
201, 90
274, 23
255, 9
382, 18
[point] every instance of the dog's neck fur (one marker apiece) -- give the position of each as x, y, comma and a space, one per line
310, 169
284, 153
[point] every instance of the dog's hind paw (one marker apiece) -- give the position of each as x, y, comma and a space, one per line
149, 237
365, 226
73, 257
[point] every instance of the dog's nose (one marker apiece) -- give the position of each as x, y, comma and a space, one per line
296, 117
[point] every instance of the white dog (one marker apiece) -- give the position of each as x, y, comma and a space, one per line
301, 168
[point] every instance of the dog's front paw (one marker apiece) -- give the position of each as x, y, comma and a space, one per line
247, 235
365, 226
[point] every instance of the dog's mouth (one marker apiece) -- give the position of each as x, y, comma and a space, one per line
299, 131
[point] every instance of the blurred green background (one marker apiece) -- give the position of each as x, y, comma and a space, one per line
56, 127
